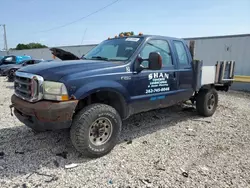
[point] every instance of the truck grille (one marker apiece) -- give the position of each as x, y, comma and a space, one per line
28, 86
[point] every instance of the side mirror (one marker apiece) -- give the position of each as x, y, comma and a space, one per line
154, 61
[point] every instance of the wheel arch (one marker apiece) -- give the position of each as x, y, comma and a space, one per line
109, 96
207, 86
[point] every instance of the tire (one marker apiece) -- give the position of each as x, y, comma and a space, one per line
11, 75
93, 142
207, 102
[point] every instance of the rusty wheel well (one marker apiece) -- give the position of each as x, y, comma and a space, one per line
105, 97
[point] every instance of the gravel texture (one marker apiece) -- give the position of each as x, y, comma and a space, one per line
165, 148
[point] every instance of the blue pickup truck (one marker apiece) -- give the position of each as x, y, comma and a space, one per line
120, 77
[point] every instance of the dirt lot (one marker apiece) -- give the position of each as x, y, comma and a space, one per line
164, 148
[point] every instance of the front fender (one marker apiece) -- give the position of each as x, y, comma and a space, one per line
101, 85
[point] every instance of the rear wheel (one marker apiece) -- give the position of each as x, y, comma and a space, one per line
207, 102
95, 130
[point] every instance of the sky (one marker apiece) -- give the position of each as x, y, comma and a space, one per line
29, 20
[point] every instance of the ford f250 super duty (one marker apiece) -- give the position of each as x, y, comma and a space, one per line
121, 76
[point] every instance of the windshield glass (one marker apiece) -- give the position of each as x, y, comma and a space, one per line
7, 60
22, 62
120, 49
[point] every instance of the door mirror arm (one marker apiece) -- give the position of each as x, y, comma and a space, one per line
138, 66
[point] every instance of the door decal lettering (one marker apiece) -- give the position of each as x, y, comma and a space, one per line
158, 82
157, 98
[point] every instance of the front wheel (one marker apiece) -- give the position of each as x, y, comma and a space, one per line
11, 75
95, 130
207, 102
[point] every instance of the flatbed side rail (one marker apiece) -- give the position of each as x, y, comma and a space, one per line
220, 75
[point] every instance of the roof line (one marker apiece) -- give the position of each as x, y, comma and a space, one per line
220, 36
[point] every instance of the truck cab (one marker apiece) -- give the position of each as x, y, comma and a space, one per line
120, 77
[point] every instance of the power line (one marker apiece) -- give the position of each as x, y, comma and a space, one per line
58, 27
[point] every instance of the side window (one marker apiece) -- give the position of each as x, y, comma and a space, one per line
9, 59
32, 62
181, 52
37, 61
160, 46
28, 62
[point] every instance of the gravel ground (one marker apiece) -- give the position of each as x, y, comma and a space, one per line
165, 148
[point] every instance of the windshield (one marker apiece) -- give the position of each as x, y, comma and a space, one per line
23, 61
7, 60
120, 49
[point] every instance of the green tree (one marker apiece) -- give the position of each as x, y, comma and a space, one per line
32, 45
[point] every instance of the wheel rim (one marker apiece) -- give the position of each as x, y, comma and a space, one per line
211, 102
11, 73
100, 131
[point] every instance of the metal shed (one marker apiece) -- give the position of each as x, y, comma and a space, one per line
229, 47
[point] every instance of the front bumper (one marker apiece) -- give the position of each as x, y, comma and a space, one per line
44, 115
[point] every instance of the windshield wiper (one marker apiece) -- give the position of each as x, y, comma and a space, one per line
100, 57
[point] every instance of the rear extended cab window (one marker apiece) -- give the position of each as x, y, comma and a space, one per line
181, 52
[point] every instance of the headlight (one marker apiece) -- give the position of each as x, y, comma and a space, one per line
55, 91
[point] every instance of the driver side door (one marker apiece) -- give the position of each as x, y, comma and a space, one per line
151, 87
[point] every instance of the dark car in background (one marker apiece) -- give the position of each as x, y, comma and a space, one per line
13, 59
10, 69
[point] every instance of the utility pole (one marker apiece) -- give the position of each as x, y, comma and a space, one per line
5, 38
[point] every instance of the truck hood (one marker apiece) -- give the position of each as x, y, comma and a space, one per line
55, 70
63, 55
